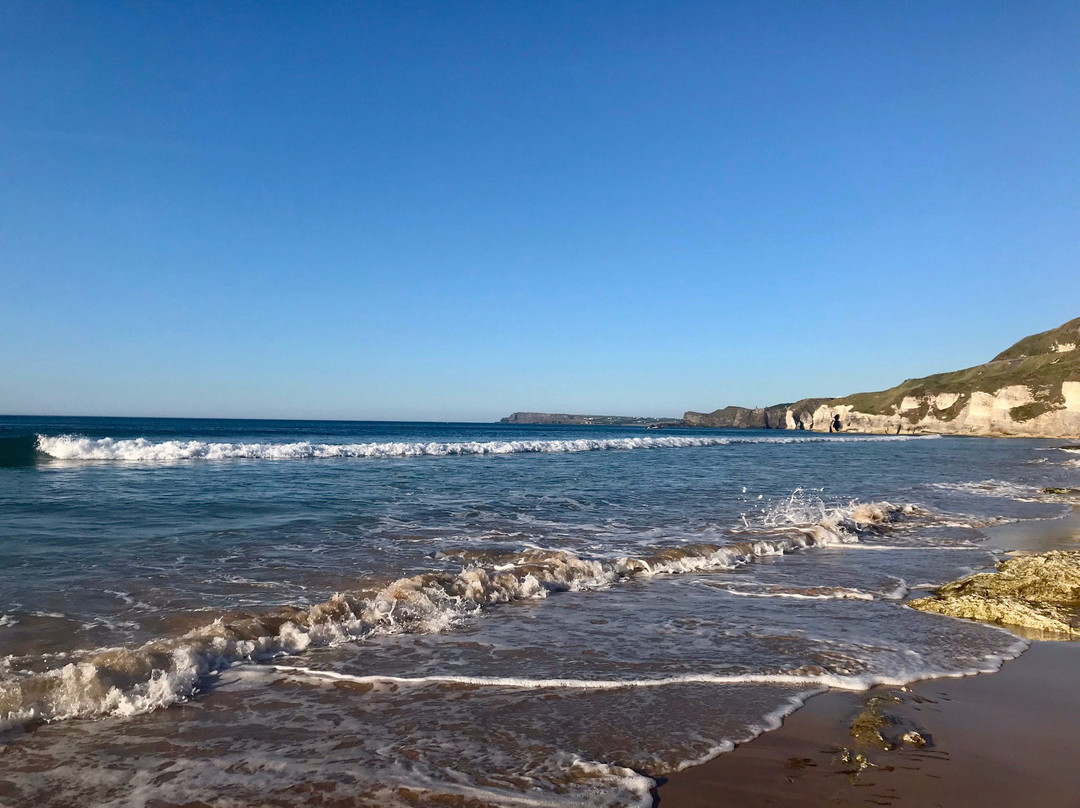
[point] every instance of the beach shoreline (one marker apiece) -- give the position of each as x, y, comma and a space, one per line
430, 633
1003, 739
1006, 738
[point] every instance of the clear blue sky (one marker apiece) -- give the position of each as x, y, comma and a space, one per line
455, 210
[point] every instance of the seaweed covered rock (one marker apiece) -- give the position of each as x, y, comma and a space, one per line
1034, 591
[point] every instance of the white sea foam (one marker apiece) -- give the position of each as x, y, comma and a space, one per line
907, 548
818, 681
899, 592
128, 599
994, 488
837, 593
524, 683
125, 681
75, 447
770, 721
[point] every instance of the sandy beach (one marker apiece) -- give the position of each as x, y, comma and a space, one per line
1002, 739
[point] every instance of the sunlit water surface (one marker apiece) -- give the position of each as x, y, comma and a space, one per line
325, 613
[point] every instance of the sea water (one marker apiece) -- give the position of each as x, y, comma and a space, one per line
319, 613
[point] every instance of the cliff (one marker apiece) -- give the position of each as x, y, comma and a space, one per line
586, 420
780, 416
1029, 390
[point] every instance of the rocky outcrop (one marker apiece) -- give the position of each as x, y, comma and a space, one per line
803, 414
781, 416
1036, 591
1029, 390
736, 417
586, 420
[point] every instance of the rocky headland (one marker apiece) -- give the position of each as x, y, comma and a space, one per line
586, 420
798, 415
1030, 390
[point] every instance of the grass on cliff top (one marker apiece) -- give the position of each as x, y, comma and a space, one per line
1044, 342
1043, 374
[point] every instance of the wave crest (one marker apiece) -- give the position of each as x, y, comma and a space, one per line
128, 681
76, 447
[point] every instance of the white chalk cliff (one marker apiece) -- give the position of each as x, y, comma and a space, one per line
981, 413
1030, 390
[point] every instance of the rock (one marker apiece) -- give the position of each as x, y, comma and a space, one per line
728, 417
857, 763
780, 416
867, 725
1034, 591
586, 420
913, 738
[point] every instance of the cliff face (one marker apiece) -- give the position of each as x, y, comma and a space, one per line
1030, 390
780, 416
1013, 411
585, 420
734, 417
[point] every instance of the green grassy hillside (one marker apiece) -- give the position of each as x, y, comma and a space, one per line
1033, 362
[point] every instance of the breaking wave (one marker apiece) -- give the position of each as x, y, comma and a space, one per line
129, 681
19, 451
75, 447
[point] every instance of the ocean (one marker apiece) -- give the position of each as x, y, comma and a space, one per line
302, 613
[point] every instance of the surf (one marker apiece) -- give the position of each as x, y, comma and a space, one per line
170, 670
80, 448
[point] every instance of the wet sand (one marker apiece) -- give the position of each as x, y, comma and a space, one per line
1005, 739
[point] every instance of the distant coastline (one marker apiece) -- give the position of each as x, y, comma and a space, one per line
1030, 390
566, 419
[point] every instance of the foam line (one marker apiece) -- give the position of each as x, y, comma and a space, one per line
894, 548
129, 681
842, 594
75, 447
521, 683
816, 681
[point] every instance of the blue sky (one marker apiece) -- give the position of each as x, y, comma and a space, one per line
455, 210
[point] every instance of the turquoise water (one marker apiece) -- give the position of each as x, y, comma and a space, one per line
397, 613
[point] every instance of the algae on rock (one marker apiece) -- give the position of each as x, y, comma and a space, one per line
1033, 591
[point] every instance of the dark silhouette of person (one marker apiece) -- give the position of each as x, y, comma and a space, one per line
836, 426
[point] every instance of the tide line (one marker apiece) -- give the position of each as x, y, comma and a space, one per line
521, 683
